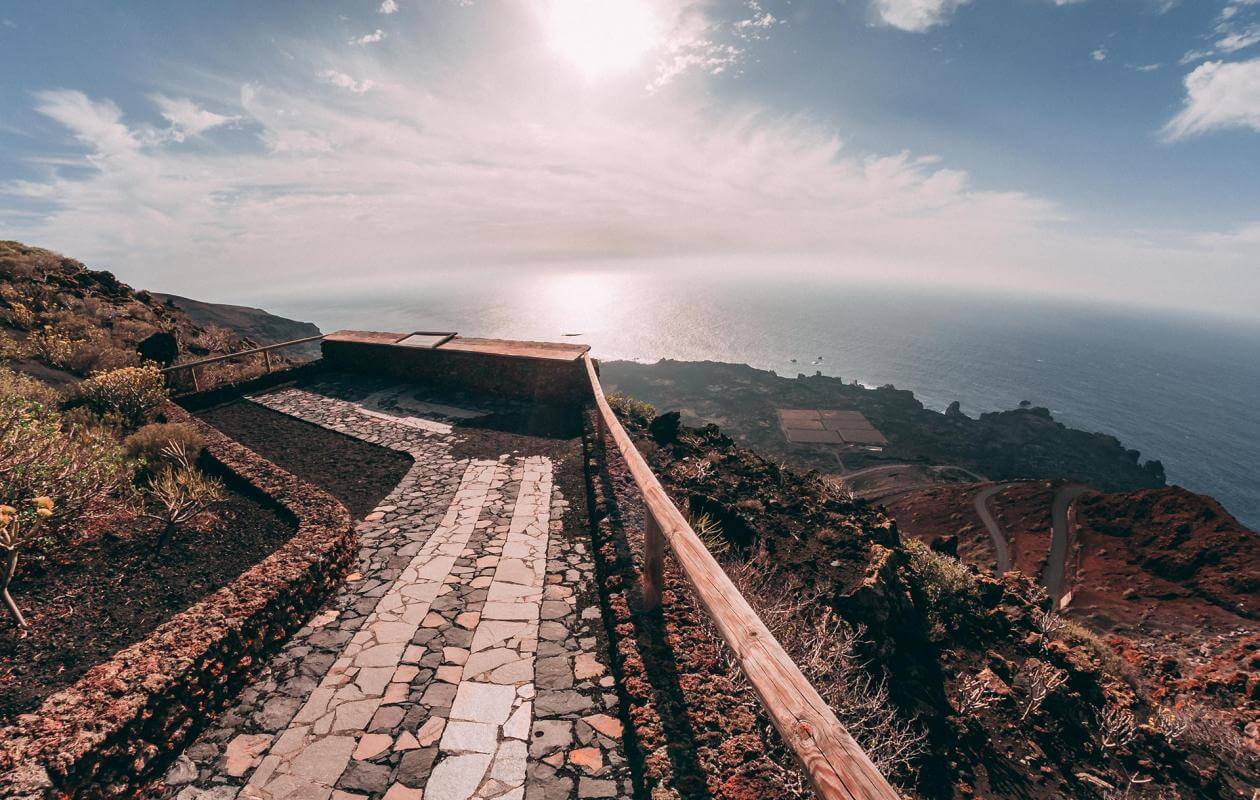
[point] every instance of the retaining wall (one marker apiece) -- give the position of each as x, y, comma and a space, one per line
127, 718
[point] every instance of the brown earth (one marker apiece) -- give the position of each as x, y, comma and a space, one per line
1168, 575
355, 472
931, 515
89, 600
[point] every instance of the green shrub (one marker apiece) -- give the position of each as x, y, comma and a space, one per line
627, 408
949, 586
133, 393
15, 384
178, 492
51, 475
51, 346
150, 444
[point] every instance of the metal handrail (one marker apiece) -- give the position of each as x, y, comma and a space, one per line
265, 350
836, 766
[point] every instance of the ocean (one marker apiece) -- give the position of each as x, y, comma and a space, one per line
1180, 388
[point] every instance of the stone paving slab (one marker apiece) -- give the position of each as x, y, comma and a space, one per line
461, 660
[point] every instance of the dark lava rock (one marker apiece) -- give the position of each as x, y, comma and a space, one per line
161, 347
664, 429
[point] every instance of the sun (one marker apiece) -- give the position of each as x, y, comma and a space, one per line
601, 37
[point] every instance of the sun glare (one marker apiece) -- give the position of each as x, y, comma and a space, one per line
601, 37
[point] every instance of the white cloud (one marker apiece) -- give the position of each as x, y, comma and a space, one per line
758, 24
388, 6
97, 124
369, 38
187, 118
1146, 67
344, 81
503, 160
696, 43
915, 15
1236, 28
1099, 54
1236, 40
1218, 95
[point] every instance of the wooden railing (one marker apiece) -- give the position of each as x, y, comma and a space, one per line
835, 764
191, 366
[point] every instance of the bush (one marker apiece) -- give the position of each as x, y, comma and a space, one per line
949, 586
17, 527
99, 353
151, 444
133, 393
178, 493
826, 649
15, 384
74, 466
10, 347
51, 346
629, 409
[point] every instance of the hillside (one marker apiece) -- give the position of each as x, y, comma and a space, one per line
1010, 701
253, 323
1170, 575
61, 321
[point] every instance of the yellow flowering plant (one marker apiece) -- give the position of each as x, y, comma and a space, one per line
17, 527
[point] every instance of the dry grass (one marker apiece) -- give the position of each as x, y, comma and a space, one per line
825, 649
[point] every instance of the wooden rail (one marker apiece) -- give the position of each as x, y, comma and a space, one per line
836, 766
266, 349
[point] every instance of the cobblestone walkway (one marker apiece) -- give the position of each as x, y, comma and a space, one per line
460, 661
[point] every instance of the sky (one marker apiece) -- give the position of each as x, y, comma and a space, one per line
1107, 150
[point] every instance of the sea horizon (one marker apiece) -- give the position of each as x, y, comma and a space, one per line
1175, 386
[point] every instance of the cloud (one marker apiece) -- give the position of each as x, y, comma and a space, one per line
369, 38
1146, 67
696, 43
1218, 95
499, 160
1099, 54
915, 15
187, 118
1236, 28
1235, 40
388, 7
758, 24
344, 81
96, 124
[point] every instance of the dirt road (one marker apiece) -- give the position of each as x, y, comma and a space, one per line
1001, 547
1052, 576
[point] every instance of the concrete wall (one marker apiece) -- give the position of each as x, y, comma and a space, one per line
539, 379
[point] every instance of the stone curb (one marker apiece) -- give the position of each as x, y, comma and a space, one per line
121, 723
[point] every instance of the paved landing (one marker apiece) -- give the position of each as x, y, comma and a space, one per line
462, 659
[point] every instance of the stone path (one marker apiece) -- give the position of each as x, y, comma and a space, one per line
462, 659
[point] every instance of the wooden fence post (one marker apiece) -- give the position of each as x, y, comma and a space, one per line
267, 360
653, 563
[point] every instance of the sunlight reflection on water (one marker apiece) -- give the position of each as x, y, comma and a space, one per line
1179, 389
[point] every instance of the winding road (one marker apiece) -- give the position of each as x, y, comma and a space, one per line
1052, 576
1001, 547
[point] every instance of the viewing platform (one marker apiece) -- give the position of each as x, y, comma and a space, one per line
487, 641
